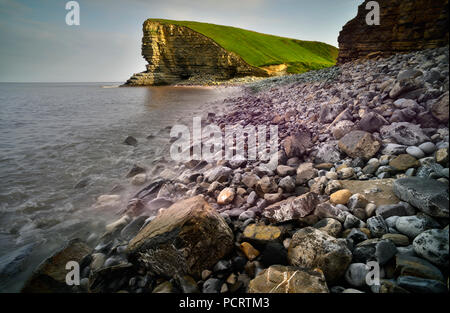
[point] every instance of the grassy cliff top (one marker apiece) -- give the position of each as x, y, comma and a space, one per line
260, 50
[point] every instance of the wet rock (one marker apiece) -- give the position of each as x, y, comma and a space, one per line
421, 285
131, 141
164, 246
406, 265
292, 208
313, 248
359, 144
50, 276
428, 195
287, 279
432, 245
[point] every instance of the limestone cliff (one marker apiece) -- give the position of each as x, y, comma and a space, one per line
405, 25
176, 53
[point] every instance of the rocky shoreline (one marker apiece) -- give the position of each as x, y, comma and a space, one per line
362, 177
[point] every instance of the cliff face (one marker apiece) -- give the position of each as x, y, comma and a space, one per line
405, 25
175, 53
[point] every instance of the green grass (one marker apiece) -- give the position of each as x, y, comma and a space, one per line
259, 49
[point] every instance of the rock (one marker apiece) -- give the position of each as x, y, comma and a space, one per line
250, 252
131, 141
135, 170
412, 226
393, 149
346, 173
195, 226
287, 183
305, 172
313, 248
262, 234
352, 221
117, 225
341, 196
330, 110
139, 179
50, 276
284, 170
226, 196
377, 226
297, 144
397, 239
107, 202
220, 174
274, 253
212, 285
440, 110
404, 162
384, 251
292, 208
356, 274
342, 128
406, 265
329, 225
359, 144
187, 284
442, 156
371, 122
399, 209
327, 152
432, 245
250, 180
421, 285
415, 152
378, 191
428, 147
109, 278
404, 133
357, 201
98, 260
265, 185
428, 195
133, 227
287, 279
357, 235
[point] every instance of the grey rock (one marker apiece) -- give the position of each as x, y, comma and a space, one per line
404, 133
428, 195
432, 245
412, 226
415, 152
384, 251
377, 226
399, 209
356, 274
421, 285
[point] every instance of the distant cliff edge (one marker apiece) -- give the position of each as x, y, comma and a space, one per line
181, 50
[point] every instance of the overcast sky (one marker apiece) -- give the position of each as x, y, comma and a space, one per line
38, 46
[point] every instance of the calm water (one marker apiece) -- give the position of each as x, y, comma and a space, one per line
54, 135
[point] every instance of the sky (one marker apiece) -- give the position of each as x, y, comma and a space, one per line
38, 46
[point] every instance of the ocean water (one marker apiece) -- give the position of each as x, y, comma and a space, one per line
52, 136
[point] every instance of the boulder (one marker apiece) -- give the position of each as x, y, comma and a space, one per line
359, 144
329, 225
305, 172
412, 226
440, 110
428, 195
288, 279
292, 208
297, 144
184, 239
50, 276
313, 248
404, 133
342, 128
371, 122
432, 245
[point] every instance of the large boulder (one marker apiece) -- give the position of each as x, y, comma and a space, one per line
428, 195
184, 239
311, 248
359, 143
297, 144
50, 276
288, 279
292, 208
404, 133
440, 110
